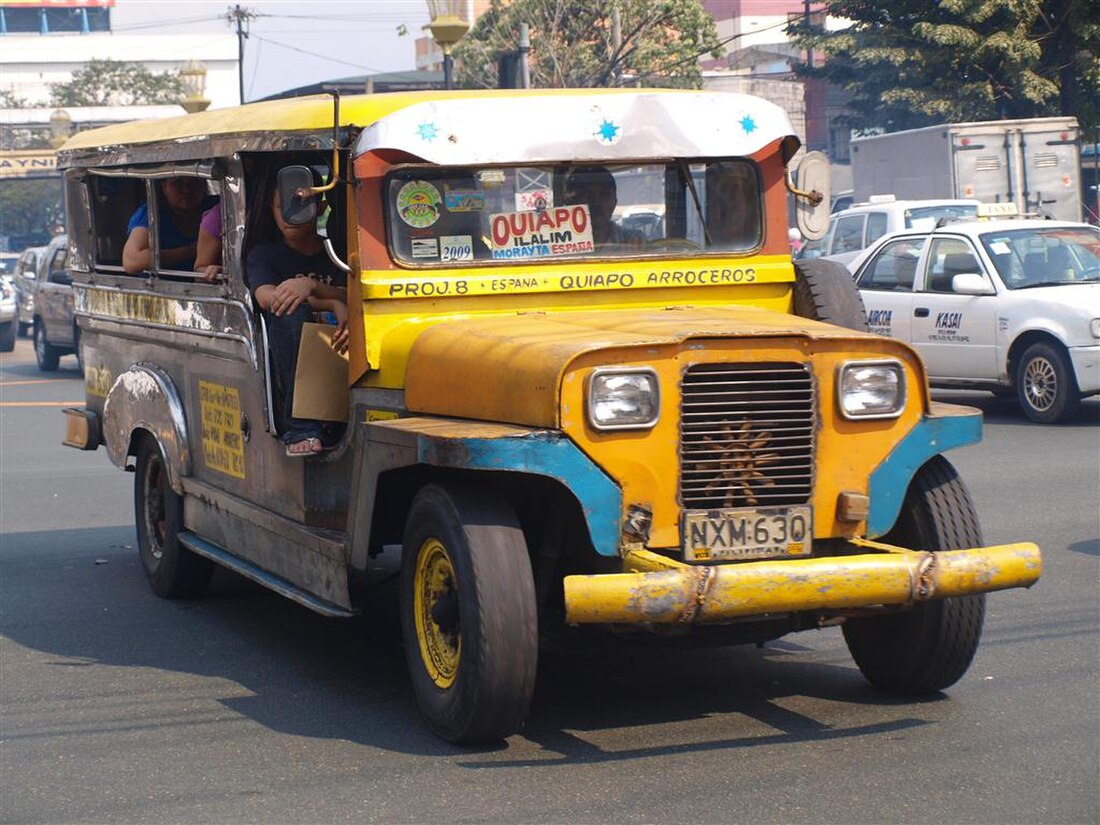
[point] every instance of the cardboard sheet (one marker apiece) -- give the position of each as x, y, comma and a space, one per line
321, 379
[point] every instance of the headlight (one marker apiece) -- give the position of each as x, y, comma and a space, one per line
1094, 327
623, 399
871, 389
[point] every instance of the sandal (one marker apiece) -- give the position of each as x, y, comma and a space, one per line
304, 448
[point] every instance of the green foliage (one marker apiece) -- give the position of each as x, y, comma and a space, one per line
571, 43
30, 207
10, 100
115, 83
911, 63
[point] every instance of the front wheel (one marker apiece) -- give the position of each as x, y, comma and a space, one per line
1045, 384
172, 570
930, 647
7, 337
45, 353
468, 614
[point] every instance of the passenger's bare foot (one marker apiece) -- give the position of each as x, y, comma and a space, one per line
305, 447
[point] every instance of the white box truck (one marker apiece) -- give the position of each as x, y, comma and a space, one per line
1034, 163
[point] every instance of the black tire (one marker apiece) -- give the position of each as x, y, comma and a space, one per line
45, 353
1045, 384
7, 336
930, 647
473, 655
825, 291
172, 570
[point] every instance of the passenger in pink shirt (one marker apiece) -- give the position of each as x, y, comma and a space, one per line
208, 252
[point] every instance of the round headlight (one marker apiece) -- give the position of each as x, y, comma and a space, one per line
623, 399
871, 389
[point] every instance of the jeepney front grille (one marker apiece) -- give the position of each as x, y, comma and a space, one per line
746, 435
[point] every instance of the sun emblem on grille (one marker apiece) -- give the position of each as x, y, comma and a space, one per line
740, 466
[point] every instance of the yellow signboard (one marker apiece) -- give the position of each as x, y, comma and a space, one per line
28, 164
222, 441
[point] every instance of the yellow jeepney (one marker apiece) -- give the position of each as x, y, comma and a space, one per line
564, 408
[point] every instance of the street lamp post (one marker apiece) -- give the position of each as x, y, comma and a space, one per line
194, 84
447, 27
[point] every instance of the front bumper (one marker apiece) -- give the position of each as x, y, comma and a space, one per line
659, 590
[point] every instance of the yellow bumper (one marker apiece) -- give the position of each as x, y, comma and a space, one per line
664, 591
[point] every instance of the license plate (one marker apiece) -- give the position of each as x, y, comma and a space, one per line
747, 533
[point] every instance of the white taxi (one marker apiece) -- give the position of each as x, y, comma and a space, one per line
1012, 306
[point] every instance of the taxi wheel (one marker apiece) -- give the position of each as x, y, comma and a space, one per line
468, 614
1045, 384
930, 647
172, 570
825, 291
45, 353
7, 337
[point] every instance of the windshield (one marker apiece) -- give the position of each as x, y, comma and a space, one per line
1043, 257
458, 217
934, 213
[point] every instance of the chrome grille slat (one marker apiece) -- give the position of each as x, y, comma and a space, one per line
726, 409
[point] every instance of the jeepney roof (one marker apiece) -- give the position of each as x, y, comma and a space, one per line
465, 127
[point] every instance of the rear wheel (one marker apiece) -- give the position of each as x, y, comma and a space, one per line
45, 353
1045, 384
825, 291
930, 647
172, 570
468, 614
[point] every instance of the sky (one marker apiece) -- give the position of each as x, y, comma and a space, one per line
293, 42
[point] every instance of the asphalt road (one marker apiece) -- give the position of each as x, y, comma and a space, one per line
116, 706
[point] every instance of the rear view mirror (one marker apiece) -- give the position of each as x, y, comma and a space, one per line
812, 214
297, 203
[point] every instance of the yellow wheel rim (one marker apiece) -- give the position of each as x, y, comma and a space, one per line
440, 647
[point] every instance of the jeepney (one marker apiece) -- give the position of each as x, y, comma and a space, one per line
672, 431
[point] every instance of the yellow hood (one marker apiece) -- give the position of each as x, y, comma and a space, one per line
510, 368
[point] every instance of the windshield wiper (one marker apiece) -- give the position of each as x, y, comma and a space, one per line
1060, 282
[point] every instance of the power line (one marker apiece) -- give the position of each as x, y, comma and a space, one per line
326, 57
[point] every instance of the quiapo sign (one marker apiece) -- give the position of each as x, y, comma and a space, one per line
563, 230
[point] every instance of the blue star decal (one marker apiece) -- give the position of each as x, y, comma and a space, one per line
748, 124
427, 131
608, 132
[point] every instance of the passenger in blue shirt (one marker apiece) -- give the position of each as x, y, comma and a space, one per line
180, 206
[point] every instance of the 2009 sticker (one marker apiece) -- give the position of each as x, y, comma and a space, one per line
418, 204
456, 248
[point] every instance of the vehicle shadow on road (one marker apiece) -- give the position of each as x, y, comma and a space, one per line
1007, 410
346, 679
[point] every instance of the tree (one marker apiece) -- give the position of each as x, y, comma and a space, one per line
910, 63
572, 43
115, 83
10, 100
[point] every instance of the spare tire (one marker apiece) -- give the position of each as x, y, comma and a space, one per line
825, 291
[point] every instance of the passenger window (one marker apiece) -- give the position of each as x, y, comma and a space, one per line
893, 267
876, 226
113, 200
947, 258
57, 272
849, 234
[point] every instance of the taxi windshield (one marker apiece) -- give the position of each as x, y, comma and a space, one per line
1028, 258
446, 217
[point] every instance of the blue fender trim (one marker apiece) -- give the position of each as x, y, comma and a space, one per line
545, 454
890, 480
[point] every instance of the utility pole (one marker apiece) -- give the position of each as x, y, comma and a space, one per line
241, 16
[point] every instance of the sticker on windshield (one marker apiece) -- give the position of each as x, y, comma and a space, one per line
418, 204
425, 248
456, 248
565, 230
1000, 248
463, 200
534, 200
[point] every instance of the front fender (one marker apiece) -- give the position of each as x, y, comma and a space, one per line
144, 398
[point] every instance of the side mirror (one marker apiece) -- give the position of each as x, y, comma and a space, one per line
298, 204
812, 214
971, 283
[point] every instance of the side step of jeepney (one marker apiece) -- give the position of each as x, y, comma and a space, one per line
657, 589
202, 547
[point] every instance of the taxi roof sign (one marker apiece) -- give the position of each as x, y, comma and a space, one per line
997, 210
